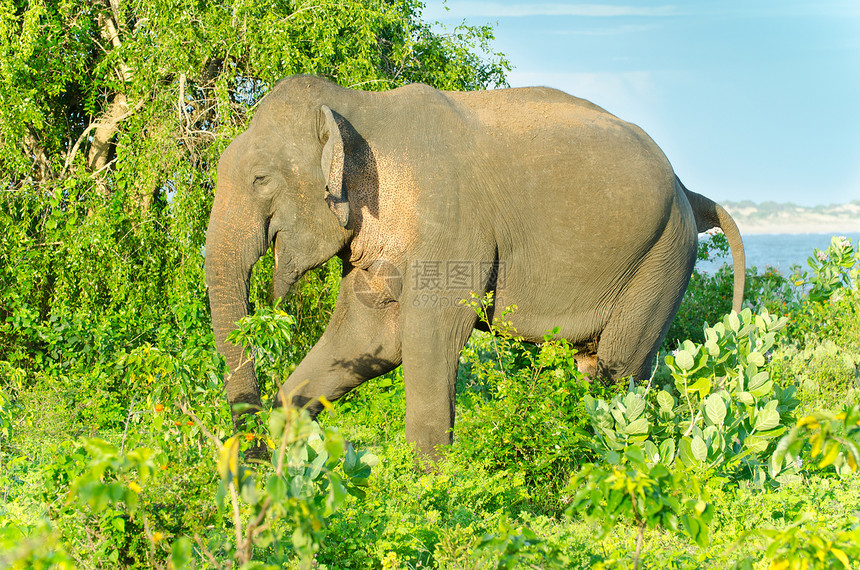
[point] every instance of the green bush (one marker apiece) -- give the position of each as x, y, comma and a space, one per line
709, 296
823, 358
836, 319
723, 422
833, 270
826, 374
524, 407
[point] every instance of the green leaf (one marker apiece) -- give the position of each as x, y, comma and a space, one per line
358, 469
635, 405
712, 348
317, 465
762, 390
702, 386
756, 358
635, 455
337, 494
639, 426
590, 404
651, 451
301, 486
334, 444
249, 491
696, 529
685, 452
766, 420
277, 420
667, 451
772, 433
350, 462
755, 444
746, 398
758, 380
715, 409
180, 553
684, 360
276, 487
733, 321
665, 400
710, 433
699, 449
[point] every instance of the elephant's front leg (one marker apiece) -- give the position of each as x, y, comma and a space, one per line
432, 340
361, 341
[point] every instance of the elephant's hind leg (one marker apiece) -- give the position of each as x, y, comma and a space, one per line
643, 315
361, 341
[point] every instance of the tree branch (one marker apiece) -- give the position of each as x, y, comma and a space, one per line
39, 156
71, 156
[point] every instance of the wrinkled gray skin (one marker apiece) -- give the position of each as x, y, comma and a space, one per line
590, 228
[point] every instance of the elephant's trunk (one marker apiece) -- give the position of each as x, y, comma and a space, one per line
233, 246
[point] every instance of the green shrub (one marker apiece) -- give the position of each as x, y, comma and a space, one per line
26, 546
834, 269
523, 406
721, 416
826, 374
823, 359
709, 296
723, 421
836, 319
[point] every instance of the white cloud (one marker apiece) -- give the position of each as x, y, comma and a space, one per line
605, 31
471, 9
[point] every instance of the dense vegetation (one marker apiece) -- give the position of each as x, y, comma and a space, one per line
116, 447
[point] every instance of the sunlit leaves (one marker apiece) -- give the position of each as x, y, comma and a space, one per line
832, 269
715, 409
648, 495
807, 544
833, 439
730, 421
199, 67
111, 477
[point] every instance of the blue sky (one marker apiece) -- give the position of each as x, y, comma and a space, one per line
756, 99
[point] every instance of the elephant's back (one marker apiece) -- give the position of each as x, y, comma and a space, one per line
571, 164
577, 144
530, 110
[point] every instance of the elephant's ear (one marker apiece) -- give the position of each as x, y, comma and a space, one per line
331, 135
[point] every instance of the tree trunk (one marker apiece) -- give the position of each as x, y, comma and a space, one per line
101, 146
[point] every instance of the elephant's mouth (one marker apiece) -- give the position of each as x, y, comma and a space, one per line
285, 272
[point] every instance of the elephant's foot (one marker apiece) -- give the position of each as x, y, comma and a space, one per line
586, 363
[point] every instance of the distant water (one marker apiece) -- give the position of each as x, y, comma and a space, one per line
779, 250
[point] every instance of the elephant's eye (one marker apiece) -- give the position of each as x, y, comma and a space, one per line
261, 180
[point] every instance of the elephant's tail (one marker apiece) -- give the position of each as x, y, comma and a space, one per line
709, 215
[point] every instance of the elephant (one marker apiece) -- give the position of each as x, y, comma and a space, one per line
547, 200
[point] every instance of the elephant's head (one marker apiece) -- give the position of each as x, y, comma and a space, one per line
279, 182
